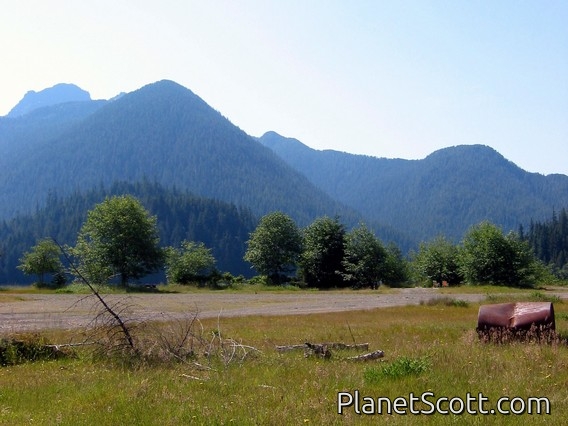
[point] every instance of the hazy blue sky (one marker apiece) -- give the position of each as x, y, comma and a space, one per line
396, 79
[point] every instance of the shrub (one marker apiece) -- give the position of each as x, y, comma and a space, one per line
24, 348
400, 367
445, 301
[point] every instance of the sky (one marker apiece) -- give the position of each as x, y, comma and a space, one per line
394, 79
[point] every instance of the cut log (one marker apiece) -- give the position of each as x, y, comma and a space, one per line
334, 345
358, 346
368, 357
289, 348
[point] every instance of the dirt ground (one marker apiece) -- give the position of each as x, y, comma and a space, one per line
32, 312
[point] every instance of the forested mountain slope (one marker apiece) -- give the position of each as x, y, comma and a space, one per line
21, 135
162, 132
180, 215
444, 193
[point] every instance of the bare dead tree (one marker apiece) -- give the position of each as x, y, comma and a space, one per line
107, 308
182, 339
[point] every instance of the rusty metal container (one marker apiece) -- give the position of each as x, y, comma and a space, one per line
516, 316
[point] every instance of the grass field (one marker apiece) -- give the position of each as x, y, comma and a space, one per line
428, 348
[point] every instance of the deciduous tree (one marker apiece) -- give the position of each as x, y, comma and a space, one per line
43, 258
193, 262
395, 266
274, 246
323, 253
119, 237
493, 258
364, 258
439, 261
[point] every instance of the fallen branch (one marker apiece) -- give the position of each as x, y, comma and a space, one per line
69, 345
267, 386
187, 376
335, 345
368, 357
289, 348
358, 346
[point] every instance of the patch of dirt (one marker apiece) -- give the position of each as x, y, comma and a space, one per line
65, 311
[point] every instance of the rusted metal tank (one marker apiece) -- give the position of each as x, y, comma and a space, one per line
516, 317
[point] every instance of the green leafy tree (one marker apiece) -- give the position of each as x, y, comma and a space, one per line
323, 253
365, 257
395, 270
43, 258
274, 246
439, 260
490, 257
193, 262
120, 238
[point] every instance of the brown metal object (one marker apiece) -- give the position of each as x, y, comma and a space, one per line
516, 316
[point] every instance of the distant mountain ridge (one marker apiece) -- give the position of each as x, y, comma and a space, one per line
445, 193
165, 134
162, 132
58, 94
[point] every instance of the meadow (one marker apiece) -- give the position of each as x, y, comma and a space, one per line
432, 347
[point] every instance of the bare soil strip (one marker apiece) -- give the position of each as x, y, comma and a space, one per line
64, 311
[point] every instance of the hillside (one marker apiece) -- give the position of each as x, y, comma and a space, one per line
20, 136
162, 132
444, 193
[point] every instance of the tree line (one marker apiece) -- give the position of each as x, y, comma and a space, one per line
120, 241
549, 241
181, 215
325, 255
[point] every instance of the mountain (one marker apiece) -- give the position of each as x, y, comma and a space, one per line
23, 134
165, 134
162, 132
445, 193
58, 94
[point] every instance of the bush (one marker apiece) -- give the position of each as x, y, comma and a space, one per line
445, 301
25, 348
400, 367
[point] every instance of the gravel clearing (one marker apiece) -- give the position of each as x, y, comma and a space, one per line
27, 312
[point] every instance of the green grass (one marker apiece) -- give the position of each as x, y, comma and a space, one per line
532, 296
426, 349
445, 301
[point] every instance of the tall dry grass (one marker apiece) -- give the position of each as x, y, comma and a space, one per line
427, 348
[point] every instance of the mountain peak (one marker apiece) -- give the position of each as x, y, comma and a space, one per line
58, 94
479, 156
478, 149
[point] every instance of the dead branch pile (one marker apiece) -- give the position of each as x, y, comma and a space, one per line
335, 345
323, 350
167, 340
114, 332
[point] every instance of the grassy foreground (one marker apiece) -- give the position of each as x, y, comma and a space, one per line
428, 348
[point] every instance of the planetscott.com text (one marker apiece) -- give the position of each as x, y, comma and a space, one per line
428, 403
